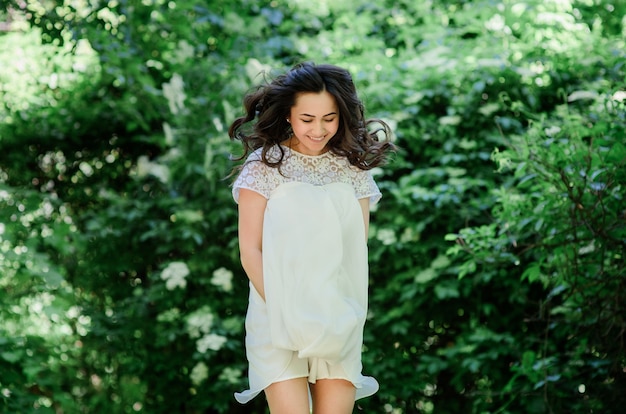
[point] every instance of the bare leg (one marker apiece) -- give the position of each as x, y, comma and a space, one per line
333, 396
288, 397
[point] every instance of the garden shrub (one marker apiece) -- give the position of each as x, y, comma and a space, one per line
495, 253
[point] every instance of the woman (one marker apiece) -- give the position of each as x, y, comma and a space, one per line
304, 194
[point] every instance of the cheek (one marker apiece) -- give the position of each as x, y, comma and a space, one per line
299, 127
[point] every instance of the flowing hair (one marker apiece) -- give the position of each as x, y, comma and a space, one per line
265, 125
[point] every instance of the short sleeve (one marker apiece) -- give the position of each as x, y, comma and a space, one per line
255, 176
366, 187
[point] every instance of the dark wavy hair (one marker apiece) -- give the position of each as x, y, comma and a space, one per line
269, 106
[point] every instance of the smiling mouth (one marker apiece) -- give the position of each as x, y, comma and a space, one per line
318, 139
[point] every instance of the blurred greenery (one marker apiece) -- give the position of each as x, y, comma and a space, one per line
496, 255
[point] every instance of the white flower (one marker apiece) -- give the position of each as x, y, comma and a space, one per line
223, 278
169, 133
199, 322
147, 167
619, 96
211, 341
386, 236
199, 373
74, 312
183, 52
254, 69
175, 94
552, 131
231, 375
496, 23
174, 275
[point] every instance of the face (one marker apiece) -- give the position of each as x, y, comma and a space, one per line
314, 119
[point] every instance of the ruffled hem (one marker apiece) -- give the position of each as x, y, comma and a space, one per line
246, 396
366, 387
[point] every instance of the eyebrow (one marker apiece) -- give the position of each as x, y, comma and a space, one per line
323, 116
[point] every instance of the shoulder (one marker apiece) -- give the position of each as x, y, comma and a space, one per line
363, 182
256, 175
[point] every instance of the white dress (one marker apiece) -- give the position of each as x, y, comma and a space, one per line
314, 268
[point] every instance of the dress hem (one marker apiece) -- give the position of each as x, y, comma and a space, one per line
367, 387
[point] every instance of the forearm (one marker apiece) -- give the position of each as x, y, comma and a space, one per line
252, 263
251, 213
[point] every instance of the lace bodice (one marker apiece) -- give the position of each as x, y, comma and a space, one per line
317, 170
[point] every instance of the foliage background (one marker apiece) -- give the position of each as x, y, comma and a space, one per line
497, 253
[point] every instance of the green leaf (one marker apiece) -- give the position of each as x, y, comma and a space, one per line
426, 275
532, 273
446, 291
11, 356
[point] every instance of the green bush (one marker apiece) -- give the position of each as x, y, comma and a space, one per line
559, 225
495, 254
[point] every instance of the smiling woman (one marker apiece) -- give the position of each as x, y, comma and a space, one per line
308, 278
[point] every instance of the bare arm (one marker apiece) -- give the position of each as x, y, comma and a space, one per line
251, 210
365, 207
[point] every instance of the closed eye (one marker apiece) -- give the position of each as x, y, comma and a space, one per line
307, 121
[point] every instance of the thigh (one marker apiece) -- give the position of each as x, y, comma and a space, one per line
288, 397
333, 396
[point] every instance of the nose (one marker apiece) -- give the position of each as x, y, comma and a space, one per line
319, 130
